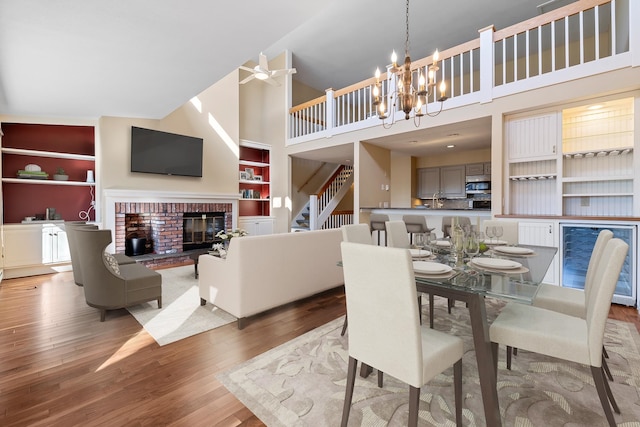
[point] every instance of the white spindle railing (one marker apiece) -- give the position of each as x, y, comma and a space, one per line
338, 219
322, 205
494, 65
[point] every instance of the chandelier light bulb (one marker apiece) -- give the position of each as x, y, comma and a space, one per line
376, 91
394, 58
436, 55
377, 74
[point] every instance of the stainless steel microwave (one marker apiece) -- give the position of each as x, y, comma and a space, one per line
478, 184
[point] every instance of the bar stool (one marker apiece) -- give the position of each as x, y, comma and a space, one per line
416, 224
377, 223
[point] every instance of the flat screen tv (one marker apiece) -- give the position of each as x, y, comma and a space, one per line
165, 153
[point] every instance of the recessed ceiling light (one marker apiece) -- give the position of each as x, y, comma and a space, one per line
595, 107
450, 146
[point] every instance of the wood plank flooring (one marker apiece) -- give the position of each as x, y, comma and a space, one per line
60, 366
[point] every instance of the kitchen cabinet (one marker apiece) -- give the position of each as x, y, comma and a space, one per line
428, 182
452, 182
447, 182
256, 226
475, 169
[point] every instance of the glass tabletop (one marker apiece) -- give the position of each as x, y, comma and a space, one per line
519, 284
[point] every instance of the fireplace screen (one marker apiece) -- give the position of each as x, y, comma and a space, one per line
199, 229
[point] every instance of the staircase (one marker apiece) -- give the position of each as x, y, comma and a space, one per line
317, 213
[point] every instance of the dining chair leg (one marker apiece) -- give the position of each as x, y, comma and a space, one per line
380, 375
450, 303
414, 403
420, 307
431, 314
348, 394
610, 395
599, 380
605, 366
604, 352
509, 352
344, 326
457, 389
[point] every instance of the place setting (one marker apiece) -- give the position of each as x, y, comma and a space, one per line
497, 265
432, 269
421, 242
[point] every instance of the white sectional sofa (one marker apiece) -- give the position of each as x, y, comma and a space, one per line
263, 272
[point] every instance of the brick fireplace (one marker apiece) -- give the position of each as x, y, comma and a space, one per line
160, 223
158, 217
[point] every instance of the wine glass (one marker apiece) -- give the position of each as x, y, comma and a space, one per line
419, 240
471, 245
491, 233
498, 231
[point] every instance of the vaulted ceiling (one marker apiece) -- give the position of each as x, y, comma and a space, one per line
144, 58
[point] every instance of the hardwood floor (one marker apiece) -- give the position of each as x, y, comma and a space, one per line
60, 366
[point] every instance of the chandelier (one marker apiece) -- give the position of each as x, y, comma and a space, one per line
402, 90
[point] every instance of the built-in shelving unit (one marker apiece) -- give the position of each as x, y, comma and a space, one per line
597, 164
50, 147
254, 179
591, 175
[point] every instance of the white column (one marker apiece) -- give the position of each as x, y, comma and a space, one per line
487, 67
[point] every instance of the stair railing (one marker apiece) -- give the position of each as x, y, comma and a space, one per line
321, 205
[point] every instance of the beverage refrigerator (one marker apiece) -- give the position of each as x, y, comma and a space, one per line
577, 240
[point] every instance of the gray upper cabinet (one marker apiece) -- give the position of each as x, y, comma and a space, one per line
452, 181
475, 169
428, 182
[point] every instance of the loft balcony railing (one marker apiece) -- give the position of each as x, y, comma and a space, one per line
582, 39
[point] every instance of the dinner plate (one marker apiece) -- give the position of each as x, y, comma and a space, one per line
496, 263
419, 253
494, 242
426, 267
513, 250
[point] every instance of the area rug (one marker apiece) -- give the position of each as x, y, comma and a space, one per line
181, 315
302, 383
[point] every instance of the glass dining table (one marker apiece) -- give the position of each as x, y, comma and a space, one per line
509, 273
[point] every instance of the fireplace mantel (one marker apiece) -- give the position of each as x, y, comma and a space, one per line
113, 196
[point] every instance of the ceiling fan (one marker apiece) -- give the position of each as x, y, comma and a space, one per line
262, 72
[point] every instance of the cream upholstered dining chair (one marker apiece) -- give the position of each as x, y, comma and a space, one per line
571, 301
509, 230
577, 339
397, 235
384, 327
355, 233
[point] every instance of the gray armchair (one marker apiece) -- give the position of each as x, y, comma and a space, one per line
76, 266
107, 285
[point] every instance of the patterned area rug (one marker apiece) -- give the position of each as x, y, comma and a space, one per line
302, 383
181, 315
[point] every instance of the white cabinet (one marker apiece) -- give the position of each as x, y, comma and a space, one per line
475, 169
256, 226
22, 246
533, 138
452, 181
35, 245
543, 233
55, 247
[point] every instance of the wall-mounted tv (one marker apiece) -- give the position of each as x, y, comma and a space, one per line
165, 153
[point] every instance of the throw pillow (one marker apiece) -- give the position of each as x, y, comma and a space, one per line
111, 262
